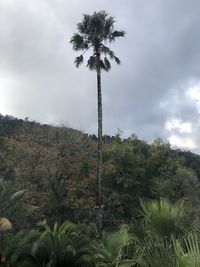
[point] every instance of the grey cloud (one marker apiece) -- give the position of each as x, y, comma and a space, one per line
160, 56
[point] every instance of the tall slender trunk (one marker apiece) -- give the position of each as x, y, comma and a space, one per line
99, 150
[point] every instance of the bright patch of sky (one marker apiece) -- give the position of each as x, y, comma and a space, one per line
182, 142
176, 124
194, 93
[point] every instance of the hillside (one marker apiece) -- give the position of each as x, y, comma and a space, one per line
57, 168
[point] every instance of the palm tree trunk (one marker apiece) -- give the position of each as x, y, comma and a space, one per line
99, 153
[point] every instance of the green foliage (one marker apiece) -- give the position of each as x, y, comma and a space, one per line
111, 250
164, 219
57, 167
182, 252
10, 201
64, 245
164, 237
124, 177
187, 252
150, 242
156, 254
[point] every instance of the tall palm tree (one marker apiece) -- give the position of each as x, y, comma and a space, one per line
94, 32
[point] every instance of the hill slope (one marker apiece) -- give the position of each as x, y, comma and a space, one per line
57, 167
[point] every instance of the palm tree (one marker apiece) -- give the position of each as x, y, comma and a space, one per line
94, 32
112, 249
165, 236
65, 245
164, 219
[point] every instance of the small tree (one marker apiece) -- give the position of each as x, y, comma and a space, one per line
95, 31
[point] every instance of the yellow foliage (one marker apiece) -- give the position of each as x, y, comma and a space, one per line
5, 224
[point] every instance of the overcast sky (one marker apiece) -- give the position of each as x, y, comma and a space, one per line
154, 93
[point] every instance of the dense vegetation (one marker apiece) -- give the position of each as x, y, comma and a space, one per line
48, 173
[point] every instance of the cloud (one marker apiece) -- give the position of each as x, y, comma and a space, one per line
151, 89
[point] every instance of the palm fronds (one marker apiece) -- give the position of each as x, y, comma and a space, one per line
64, 245
163, 218
94, 32
111, 250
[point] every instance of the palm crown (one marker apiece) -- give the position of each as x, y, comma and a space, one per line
95, 31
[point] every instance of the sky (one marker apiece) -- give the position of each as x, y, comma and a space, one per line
155, 92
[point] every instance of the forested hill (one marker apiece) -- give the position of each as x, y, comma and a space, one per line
57, 168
